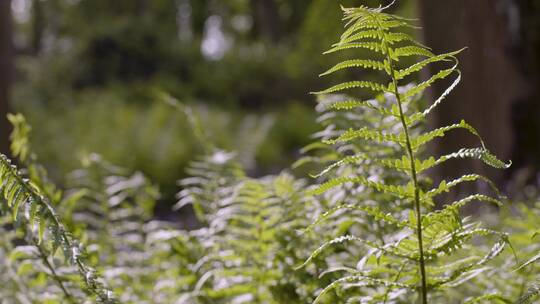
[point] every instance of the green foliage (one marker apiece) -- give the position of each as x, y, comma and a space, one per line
519, 281
68, 134
102, 205
114, 205
373, 229
421, 254
246, 231
44, 229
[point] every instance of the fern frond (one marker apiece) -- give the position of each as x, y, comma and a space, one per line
421, 87
373, 211
333, 242
378, 164
366, 134
532, 293
530, 261
488, 297
421, 115
370, 46
440, 132
373, 86
365, 281
417, 67
350, 104
395, 37
360, 36
20, 194
410, 50
397, 190
475, 153
445, 186
357, 63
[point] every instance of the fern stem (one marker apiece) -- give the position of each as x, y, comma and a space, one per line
55, 276
418, 211
417, 208
398, 275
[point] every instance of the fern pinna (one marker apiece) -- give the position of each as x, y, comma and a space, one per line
421, 256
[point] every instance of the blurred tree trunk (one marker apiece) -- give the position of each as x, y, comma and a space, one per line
38, 25
491, 84
526, 154
266, 17
6, 67
141, 7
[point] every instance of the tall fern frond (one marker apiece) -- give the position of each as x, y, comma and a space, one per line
420, 234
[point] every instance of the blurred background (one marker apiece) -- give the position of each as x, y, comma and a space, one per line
91, 76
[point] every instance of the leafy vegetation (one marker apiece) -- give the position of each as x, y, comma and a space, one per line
421, 254
373, 228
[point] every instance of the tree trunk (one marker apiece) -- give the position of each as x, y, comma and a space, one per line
266, 17
526, 154
6, 68
490, 83
38, 24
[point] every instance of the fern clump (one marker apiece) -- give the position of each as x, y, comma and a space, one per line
420, 255
143, 258
109, 210
246, 245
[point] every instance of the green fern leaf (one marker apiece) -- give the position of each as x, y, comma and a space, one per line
492, 297
370, 34
531, 294
357, 63
422, 64
447, 186
418, 89
366, 281
530, 261
476, 153
410, 50
366, 134
440, 132
371, 46
399, 191
375, 87
373, 211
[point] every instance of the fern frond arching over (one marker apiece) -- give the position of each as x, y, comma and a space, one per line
29, 207
420, 235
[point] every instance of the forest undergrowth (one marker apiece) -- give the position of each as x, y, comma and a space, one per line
369, 226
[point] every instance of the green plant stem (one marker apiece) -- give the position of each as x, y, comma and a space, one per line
398, 275
418, 211
55, 276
